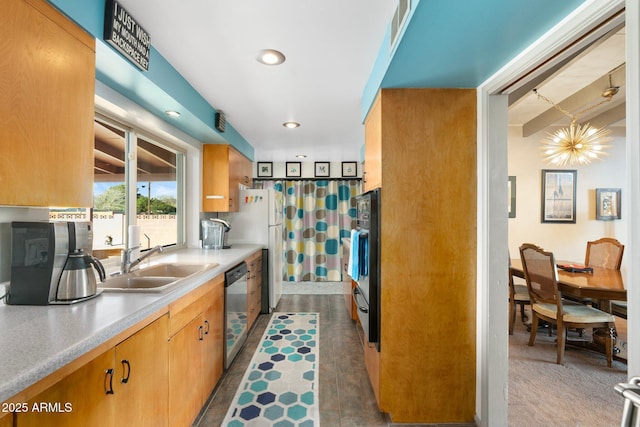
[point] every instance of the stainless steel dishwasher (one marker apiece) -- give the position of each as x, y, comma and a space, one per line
235, 313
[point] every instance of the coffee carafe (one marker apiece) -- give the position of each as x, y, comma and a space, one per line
78, 280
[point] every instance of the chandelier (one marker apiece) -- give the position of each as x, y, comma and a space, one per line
577, 144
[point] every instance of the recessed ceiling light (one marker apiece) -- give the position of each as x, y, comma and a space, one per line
172, 113
301, 156
291, 125
270, 57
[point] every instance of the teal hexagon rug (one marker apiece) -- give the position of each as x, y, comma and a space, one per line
280, 386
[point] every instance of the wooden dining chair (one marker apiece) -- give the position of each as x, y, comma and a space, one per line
605, 252
547, 303
518, 296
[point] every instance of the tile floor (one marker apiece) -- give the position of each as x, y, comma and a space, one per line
345, 396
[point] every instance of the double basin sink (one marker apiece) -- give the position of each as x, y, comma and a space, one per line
155, 278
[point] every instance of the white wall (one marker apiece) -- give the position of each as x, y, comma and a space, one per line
567, 241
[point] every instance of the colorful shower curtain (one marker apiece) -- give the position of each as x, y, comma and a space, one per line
317, 215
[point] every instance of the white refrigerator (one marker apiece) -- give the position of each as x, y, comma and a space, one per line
259, 220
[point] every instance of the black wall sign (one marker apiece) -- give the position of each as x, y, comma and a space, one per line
123, 32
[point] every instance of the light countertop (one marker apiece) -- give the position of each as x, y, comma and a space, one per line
38, 340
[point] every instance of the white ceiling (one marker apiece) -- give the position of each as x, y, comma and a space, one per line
330, 48
577, 87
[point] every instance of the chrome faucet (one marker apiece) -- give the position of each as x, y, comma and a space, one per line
127, 264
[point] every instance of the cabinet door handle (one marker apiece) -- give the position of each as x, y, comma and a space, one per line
126, 366
200, 333
108, 386
213, 196
206, 330
362, 308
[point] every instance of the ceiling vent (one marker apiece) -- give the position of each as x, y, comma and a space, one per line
399, 19
221, 121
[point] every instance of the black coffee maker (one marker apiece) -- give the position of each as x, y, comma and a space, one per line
51, 264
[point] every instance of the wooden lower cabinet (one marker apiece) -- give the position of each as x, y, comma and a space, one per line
6, 419
185, 396
125, 385
160, 376
372, 363
254, 287
141, 382
195, 351
213, 345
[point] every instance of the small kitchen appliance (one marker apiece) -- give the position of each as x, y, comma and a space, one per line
214, 233
51, 263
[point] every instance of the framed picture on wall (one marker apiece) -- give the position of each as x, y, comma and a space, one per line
512, 196
265, 169
559, 196
349, 169
322, 169
608, 204
294, 169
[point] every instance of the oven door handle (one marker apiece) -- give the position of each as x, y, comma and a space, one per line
356, 292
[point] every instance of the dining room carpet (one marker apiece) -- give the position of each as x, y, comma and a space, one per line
280, 385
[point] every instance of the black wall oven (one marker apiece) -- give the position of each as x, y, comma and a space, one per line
367, 293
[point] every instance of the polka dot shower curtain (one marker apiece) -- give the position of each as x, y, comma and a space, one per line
317, 215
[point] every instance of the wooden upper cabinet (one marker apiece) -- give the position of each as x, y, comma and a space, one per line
372, 168
46, 108
223, 170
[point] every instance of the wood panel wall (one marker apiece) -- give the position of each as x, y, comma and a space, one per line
428, 254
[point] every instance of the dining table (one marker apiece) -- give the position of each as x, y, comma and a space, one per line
601, 284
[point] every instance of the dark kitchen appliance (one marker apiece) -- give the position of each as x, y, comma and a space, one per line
367, 293
51, 263
235, 313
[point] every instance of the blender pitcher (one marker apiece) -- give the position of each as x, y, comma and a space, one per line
212, 234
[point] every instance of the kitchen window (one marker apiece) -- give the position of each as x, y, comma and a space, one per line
137, 181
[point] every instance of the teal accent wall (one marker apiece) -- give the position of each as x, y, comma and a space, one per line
159, 89
460, 44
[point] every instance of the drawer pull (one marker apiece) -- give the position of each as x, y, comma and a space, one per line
108, 387
213, 196
125, 366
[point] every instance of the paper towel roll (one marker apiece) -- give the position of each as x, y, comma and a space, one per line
134, 241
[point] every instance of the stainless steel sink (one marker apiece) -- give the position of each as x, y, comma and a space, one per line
155, 278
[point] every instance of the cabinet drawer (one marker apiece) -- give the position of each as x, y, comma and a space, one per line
187, 308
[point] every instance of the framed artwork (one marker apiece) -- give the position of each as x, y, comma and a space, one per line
322, 169
294, 169
608, 204
512, 196
559, 196
265, 169
349, 169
